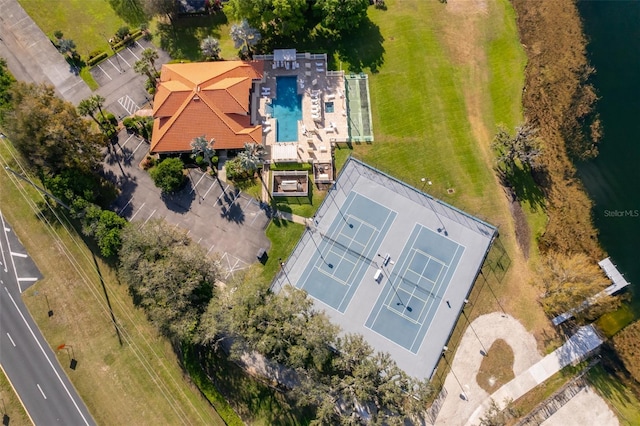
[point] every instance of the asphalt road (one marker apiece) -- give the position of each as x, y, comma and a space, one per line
25, 356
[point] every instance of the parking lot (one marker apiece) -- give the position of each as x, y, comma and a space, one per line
215, 214
124, 89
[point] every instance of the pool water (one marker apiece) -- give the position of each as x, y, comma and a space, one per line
328, 107
287, 109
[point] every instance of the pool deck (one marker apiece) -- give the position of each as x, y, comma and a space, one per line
318, 129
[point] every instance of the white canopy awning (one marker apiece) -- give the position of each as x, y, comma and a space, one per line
284, 152
284, 55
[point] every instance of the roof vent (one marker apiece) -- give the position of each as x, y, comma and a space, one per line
198, 89
196, 98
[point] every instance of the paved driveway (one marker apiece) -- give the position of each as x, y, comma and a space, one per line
215, 214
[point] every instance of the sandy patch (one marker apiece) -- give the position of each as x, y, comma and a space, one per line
467, 6
585, 408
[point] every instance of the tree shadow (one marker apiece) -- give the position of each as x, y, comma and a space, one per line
182, 38
130, 11
524, 187
180, 201
233, 213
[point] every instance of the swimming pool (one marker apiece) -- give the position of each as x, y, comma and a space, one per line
287, 109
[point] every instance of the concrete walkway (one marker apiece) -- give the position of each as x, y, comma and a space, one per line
31, 57
577, 348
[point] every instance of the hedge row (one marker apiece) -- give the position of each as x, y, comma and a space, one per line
116, 48
290, 166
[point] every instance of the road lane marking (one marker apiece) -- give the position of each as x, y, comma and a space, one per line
45, 355
12, 342
13, 263
30, 279
43, 395
13, 253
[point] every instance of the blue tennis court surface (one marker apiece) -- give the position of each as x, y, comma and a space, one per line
415, 288
385, 260
344, 253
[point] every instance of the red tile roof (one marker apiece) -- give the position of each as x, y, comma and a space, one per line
205, 98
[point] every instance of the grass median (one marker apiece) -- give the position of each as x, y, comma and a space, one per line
126, 374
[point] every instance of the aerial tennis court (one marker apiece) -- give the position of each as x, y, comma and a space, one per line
388, 261
343, 254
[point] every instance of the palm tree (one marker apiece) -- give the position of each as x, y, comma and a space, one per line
200, 145
245, 37
143, 67
251, 157
150, 55
210, 48
87, 107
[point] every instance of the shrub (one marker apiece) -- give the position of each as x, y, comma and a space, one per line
168, 175
627, 344
101, 57
129, 123
123, 32
148, 162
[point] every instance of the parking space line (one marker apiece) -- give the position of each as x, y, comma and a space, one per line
125, 206
116, 68
125, 61
125, 142
236, 197
139, 45
194, 186
134, 55
248, 202
211, 248
210, 188
134, 151
224, 191
105, 73
137, 211
150, 216
254, 218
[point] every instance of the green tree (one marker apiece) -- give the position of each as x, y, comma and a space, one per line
89, 106
66, 46
168, 175
146, 65
123, 32
169, 275
200, 145
570, 282
496, 416
49, 133
522, 149
251, 158
105, 226
342, 15
167, 8
210, 48
6, 81
273, 17
244, 37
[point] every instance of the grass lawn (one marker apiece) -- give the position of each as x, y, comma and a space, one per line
89, 23
129, 376
620, 398
496, 368
284, 235
11, 406
183, 40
